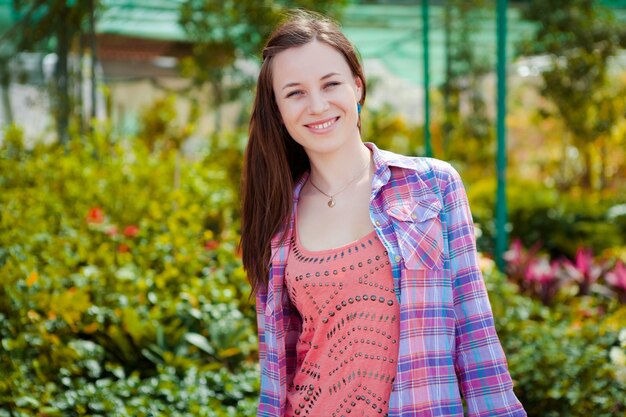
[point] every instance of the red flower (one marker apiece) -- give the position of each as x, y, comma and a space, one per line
211, 244
131, 230
123, 248
95, 215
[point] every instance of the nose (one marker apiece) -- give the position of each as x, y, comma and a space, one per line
317, 103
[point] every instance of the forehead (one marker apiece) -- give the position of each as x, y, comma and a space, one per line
312, 60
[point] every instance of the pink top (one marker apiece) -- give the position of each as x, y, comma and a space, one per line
348, 348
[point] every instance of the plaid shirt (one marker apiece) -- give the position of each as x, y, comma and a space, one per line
448, 344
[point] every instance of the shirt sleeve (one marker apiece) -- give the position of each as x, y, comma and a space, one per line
479, 359
261, 303
277, 366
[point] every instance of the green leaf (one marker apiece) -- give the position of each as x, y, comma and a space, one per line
200, 342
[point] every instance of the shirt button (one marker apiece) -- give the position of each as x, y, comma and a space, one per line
397, 258
377, 223
413, 216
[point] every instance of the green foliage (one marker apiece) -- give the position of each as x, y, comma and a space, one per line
122, 289
40, 23
580, 37
560, 223
565, 360
160, 130
465, 67
55, 25
390, 131
224, 31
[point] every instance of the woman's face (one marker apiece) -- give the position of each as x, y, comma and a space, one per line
317, 96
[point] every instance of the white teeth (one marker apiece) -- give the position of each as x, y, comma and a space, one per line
323, 125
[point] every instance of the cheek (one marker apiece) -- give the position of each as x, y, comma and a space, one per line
349, 94
288, 111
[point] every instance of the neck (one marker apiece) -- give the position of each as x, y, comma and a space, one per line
332, 171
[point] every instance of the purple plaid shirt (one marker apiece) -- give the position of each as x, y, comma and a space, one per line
448, 344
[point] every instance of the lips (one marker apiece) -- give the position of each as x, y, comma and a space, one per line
322, 124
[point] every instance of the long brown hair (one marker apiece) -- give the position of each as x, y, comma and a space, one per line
273, 161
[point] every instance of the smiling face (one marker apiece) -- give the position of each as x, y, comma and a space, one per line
317, 97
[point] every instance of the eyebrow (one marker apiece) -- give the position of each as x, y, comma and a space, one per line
330, 74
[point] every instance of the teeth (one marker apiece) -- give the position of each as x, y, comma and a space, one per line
323, 125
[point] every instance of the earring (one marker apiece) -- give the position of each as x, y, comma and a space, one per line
358, 108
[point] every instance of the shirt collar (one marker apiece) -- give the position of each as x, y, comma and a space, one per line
383, 160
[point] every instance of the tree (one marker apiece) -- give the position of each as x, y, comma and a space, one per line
55, 25
5, 81
224, 31
465, 67
580, 37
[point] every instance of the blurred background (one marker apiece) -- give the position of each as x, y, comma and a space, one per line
122, 128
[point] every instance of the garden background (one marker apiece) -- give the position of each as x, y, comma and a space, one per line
121, 286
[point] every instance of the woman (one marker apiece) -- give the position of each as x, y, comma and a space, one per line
369, 297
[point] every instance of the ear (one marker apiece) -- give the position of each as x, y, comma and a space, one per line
359, 88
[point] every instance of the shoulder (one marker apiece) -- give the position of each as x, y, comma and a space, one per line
437, 174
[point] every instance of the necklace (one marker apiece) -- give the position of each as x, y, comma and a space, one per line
331, 198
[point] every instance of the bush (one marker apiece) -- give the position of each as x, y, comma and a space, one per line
122, 290
561, 223
568, 359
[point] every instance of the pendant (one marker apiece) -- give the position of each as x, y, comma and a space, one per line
331, 202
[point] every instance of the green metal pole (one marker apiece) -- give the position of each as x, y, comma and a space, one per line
94, 57
425, 30
501, 209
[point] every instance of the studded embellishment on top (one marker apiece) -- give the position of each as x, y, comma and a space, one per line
348, 349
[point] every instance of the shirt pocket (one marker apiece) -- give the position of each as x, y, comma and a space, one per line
417, 226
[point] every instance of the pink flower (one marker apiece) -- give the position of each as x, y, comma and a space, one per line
95, 215
617, 277
518, 260
516, 252
543, 279
131, 230
584, 270
111, 231
584, 261
542, 271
